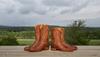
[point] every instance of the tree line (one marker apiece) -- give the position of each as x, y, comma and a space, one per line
76, 33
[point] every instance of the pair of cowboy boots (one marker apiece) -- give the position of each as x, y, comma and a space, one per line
57, 40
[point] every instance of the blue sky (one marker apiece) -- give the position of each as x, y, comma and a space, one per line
52, 12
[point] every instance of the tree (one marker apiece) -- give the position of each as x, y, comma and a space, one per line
75, 34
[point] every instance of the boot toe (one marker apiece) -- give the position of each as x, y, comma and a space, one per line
26, 48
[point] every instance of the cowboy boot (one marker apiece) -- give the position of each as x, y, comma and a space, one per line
63, 42
43, 43
37, 37
56, 41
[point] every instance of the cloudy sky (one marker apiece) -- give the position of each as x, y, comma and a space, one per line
52, 12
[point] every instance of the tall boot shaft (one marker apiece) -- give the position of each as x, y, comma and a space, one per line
43, 43
58, 44
41, 33
44, 33
37, 38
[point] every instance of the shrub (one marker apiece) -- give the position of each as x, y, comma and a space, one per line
75, 34
9, 40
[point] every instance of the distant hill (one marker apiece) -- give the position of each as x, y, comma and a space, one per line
20, 28
15, 28
31, 28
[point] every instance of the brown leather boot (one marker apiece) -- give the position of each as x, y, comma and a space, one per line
37, 38
38, 35
63, 42
43, 43
57, 42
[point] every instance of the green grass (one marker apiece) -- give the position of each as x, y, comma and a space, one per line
30, 41
25, 41
94, 42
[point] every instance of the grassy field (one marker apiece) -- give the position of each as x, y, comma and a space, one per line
29, 41
94, 42
25, 41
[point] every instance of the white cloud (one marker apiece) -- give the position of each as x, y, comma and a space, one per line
58, 12
9, 6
